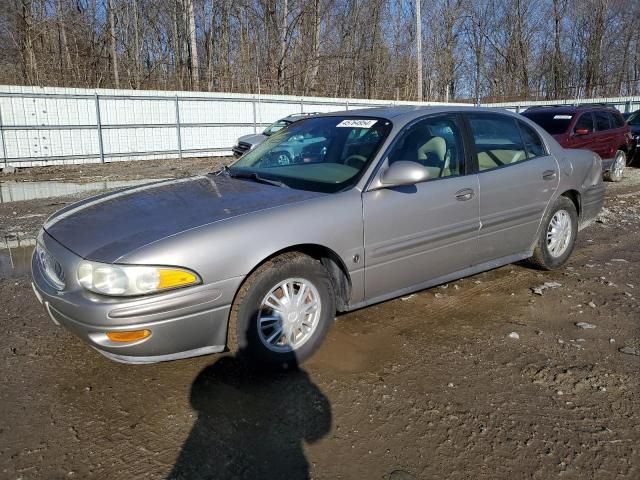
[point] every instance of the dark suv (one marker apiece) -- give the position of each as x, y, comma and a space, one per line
633, 120
596, 128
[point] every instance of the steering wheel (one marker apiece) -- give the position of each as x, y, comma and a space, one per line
355, 161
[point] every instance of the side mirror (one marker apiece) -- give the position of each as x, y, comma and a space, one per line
403, 173
582, 131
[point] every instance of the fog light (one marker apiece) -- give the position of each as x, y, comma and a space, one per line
130, 336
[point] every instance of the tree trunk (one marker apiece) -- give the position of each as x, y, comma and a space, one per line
193, 45
419, 48
112, 44
283, 45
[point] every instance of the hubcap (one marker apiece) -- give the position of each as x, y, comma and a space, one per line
289, 315
559, 233
618, 166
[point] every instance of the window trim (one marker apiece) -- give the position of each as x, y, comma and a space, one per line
469, 115
545, 150
384, 158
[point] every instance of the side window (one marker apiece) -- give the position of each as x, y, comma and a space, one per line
532, 141
497, 139
602, 121
585, 122
434, 142
616, 120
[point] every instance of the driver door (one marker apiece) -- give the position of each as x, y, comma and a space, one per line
417, 234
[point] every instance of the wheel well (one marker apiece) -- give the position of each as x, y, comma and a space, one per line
623, 148
574, 196
340, 278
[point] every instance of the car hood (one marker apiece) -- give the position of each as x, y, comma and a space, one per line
106, 227
635, 129
253, 139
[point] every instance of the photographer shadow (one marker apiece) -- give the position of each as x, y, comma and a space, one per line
251, 423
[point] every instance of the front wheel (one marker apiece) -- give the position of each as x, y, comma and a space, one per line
557, 236
282, 312
616, 171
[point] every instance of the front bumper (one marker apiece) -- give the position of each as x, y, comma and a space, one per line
183, 323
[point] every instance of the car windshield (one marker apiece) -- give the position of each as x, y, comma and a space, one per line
634, 118
553, 122
275, 127
323, 154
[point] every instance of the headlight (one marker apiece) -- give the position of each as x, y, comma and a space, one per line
129, 280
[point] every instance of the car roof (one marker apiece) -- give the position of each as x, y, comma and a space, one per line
569, 109
408, 112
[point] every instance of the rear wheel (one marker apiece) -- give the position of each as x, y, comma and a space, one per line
282, 312
616, 171
557, 236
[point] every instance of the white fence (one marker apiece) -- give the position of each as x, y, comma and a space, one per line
45, 126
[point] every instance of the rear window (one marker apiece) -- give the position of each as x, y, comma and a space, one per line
553, 122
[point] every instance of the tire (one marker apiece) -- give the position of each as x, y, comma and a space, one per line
250, 309
616, 172
544, 257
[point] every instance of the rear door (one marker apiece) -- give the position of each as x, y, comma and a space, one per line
605, 136
417, 233
517, 178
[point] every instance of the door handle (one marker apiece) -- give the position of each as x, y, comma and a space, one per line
464, 194
549, 174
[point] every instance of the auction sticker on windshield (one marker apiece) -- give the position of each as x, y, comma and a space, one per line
357, 123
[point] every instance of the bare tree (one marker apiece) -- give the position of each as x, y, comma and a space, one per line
469, 49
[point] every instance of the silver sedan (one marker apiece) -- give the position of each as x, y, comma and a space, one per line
258, 257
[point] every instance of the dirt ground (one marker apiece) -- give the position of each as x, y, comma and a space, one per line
479, 379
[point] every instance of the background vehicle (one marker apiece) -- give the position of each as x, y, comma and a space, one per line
599, 129
633, 120
247, 142
259, 256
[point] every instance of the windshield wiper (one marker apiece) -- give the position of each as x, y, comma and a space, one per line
256, 178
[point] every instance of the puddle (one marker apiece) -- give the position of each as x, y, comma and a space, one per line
13, 191
15, 257
347, 352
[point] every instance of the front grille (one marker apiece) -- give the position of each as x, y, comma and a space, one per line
241, 149
51, 268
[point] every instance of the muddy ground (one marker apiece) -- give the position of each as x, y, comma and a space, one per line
429, 386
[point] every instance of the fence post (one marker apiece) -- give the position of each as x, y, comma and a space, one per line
346, 105
301, 104
4, 145
178, 128
255, 118
99, 127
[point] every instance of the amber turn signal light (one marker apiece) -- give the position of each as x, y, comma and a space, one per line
130, 336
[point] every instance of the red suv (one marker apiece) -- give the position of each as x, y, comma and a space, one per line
596, 128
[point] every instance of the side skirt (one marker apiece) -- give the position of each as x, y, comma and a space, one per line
466, 272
